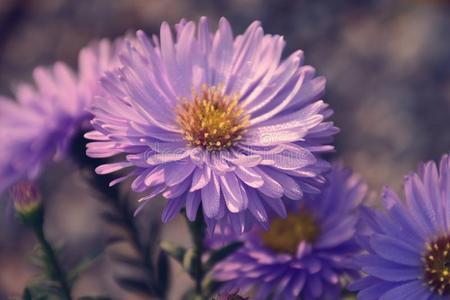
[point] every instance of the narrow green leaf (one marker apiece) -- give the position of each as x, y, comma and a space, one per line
128, 260
73, 274
163, 272
189, 263
221, 254
191, 295
175, 251
210, 286
134, 285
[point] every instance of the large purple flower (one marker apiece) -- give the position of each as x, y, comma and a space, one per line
306, 255
39, 126
408, 251
208, 119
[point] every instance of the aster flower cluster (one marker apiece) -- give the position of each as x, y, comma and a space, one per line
233, 134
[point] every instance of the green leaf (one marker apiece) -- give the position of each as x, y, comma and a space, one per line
175, 251
128, 260
191, 295
73, 274
45, 289
210, 286
189, 263
221, 254
154, 235
134, 285
163, 272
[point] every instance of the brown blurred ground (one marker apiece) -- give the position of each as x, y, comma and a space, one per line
387, 63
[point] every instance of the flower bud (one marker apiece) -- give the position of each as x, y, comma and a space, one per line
27, 202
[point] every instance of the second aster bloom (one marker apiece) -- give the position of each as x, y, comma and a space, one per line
408, 251
209, 119
306, 255
39, 126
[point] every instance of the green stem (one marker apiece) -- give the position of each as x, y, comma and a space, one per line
121, 208
197, 230
57, 271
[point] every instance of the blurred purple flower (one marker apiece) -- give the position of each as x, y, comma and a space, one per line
408, 252
306, 255
39, 126
206, 118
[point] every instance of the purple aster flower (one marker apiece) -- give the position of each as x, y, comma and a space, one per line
40, 125
408, 251
306, 255
208, 119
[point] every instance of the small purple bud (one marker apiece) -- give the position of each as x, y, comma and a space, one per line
27, 201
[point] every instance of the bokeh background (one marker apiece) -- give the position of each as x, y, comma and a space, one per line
387, 63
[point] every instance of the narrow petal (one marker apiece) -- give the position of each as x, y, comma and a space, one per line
232, 193
193, 201
211, 197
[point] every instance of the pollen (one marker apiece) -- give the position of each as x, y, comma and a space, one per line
285, 235
436, 261
211, 119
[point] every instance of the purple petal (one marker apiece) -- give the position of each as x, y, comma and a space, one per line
172, 208
211, 197
175, 173
232, 192
193, 201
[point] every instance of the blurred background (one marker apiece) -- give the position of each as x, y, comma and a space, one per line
387, 63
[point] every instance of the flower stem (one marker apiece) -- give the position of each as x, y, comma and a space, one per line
197, 230
56, 270
121, 208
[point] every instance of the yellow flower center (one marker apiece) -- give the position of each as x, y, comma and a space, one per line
212, 120
285, 235
437, 265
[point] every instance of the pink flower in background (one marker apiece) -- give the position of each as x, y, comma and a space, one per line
38, 127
